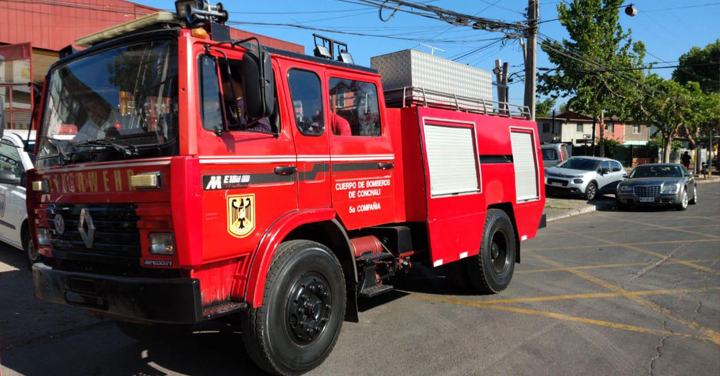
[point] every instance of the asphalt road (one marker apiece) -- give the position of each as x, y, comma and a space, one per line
622, 293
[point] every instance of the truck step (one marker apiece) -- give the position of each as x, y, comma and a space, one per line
375, 290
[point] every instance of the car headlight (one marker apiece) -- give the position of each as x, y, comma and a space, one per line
577, 181
162, 243
43, 235
669, 188
625, 188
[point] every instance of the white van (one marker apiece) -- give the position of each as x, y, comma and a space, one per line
14, 161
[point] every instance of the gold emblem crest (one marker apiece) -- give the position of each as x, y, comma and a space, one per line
241, 215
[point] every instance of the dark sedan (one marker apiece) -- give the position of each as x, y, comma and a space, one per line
658, 184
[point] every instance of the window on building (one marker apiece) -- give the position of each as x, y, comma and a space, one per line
579, 128
636, 129
546, 127
306, 93
354, 109
611, 127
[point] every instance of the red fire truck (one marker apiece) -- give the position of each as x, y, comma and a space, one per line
182, 176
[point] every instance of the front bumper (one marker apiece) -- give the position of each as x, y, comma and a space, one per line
172, 300
566, 186
662, 199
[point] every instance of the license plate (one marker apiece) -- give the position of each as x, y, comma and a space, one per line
647, 199
556, 184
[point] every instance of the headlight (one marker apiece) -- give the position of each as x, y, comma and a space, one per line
670, 188
626, 188
43, 235
162, 243
578, 181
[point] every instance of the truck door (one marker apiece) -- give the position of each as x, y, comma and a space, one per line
361, 153
311, 137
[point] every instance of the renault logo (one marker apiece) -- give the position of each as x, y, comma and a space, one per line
59, 224
86, 227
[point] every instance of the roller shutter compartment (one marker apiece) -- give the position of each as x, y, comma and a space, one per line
526, 174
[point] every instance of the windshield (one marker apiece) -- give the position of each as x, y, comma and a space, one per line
549, 155
656, 172
119, 101
580, 164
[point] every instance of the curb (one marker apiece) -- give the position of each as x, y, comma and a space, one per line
707, 181
582, 211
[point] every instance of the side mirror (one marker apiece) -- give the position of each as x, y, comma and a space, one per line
603, 171
9, 177
689, 173
258, 84
2, 118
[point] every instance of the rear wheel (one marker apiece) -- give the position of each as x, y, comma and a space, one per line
152, 332
302, 312
591, 191
491, 270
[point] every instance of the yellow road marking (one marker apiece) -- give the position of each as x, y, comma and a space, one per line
706, 332
652, 253
660, 226
498, 307
599, 295
616, 244
651, 229
545, 270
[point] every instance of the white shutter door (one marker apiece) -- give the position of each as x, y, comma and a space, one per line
526, 184
451, 160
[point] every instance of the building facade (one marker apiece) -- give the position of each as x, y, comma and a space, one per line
32, 32
577, 129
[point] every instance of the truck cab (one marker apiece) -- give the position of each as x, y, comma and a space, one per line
182, 176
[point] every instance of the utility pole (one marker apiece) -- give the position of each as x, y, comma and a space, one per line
505, 72
531, 56
498, 78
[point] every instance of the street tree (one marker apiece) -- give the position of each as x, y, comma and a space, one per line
701, 65
593, 66
544, 107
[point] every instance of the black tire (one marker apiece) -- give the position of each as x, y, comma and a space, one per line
279, 336
152, 332
683, 205
457, 276
591, 191
694, 200
31, 254
491, 270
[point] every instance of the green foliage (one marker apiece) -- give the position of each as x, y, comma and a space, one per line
589, 61
543, 108
700, 65
655, 141
676, 145
611, 144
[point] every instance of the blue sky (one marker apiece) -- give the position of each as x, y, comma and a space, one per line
666, 31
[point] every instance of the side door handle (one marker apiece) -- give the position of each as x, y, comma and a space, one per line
385, 166
285, 170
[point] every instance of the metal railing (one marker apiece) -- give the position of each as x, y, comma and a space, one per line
419, 96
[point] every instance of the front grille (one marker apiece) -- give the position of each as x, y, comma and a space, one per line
647, 190
563, 182
116, 236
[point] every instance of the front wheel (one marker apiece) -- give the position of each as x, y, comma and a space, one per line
694, 200
31, 252
590, 191
302, 312
683, 205
491, 270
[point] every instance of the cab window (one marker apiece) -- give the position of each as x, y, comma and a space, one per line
10, 159
354, 109
210, 104
306, 94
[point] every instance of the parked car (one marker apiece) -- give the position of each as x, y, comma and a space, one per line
553, 154
658, 184
14, 161
584, 176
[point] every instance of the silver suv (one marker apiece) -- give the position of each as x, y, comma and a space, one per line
584, 176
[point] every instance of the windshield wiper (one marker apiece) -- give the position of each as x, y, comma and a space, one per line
106, 142
62, 156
